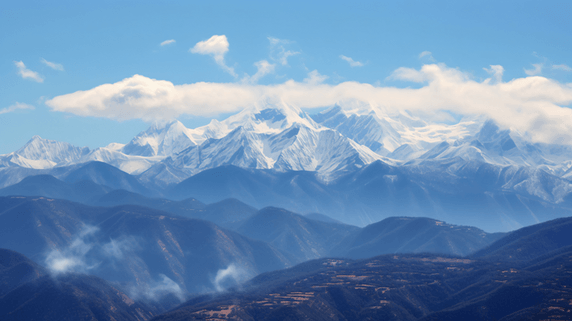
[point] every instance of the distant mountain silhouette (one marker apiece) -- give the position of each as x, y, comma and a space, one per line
413, 235
227, 212
49, 186
476, 195
530, 242
301, 237
187, 208
107, 175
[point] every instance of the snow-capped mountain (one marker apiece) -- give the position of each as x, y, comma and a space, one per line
160, 140
359, 165
281, 138
284, 138
39, 153
399, 136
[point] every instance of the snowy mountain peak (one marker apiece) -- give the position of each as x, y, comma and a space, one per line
45, 153
264, 118
161, 139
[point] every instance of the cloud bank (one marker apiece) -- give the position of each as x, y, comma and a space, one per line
531, 105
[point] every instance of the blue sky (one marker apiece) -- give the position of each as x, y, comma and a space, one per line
104, 42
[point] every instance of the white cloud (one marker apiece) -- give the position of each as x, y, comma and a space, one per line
531, 105
155, 290
352, 62
496, 71
216, 46
231, 276
168, 42
264, 68
536, 71
315, 78
562, 67
27, 73
427, 54
408, 74
72, 258
278, 51
52, 65
15, 107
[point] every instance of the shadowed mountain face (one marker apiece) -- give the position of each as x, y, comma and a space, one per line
48, 186
304, 239
395, 287
474, 194
225, 213
413, 235
190, 208
28, 292
144, 249
15, 270
530, 242
406, 287
107, 175
492, 197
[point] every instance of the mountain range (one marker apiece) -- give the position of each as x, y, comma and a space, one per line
356, 166
489, 285
128, 262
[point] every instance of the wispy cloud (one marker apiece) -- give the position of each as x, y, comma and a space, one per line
537, 70
217, 47
168, 42
427, 55
531, 105
278, 50
496, 71
15, 107
562, 67
263, 68
27, 73
229, 277
155, 290
73, 258
53, 65
352, 62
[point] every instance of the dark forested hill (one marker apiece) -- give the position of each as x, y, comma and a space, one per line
301, 237
395, 287
29, 292
530, 242
140, 247
413, 235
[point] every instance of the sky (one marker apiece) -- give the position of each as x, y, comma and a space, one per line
92, 73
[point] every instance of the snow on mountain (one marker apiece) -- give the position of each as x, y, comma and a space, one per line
503, 147
283, 138
400, 136
132, 164
275, 135
42, 153
160, 140
261, 119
